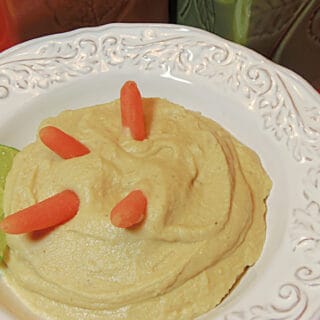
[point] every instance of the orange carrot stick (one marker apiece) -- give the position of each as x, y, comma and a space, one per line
129, 211
51, 212
132, 111
61, 143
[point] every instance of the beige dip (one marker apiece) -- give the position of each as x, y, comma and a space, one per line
205, 219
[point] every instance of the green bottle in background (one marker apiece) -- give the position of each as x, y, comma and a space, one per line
270, 27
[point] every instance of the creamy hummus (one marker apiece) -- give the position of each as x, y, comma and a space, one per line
205, 218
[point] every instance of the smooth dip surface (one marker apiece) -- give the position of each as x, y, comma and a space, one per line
205, 218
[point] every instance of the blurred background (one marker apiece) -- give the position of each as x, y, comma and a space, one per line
286, 31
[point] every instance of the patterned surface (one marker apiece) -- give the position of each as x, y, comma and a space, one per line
259, 24
314, 25
300, 48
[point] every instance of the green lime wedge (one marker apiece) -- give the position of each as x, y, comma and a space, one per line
6, 158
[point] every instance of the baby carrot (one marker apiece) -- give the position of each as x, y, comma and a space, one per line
50, 212
129, 211
132, 111
61, 143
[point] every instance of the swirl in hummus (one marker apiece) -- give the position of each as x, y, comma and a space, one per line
205, 218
